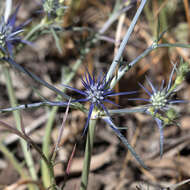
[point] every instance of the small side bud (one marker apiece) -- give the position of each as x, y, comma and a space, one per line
53, 8
181, 73
172, 115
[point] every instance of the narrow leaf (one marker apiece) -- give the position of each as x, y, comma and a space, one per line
124, 140
35, 77
56, 38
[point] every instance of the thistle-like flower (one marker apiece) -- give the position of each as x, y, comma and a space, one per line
160, 104
9, 33
97, 93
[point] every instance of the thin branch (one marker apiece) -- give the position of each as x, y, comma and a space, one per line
125, 40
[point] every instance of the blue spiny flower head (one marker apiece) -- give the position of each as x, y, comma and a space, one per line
160, 104
161, 100
97, 93
9, 33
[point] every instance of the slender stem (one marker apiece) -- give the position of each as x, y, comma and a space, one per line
8, 8
163, 17
186, 5
175, 186
33, 105
33, 31
126, 111
60, 133
27, 139
125, 40
10, 156
46, 142
34, 77
122, 70
46, 176
13, 101
114, 16
149, 16
44, 23
88, 153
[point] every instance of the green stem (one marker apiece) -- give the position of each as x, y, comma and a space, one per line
88, 153
13, 101
10, 156
124, 42
120, 73
46, 176
163, 17
150, 17
38, 27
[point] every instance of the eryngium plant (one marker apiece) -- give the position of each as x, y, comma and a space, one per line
97, 93
9, 34
161, 101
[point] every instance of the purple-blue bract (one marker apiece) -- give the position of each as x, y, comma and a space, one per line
97, 93
160, 101
9, 33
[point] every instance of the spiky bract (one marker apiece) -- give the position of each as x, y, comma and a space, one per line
9, 33
160, 102
97, 93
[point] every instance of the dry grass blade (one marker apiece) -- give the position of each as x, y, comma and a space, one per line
20, 183
60, 133
70, 160
23, 136
22, 126
175, 186
12, 130
186, 5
